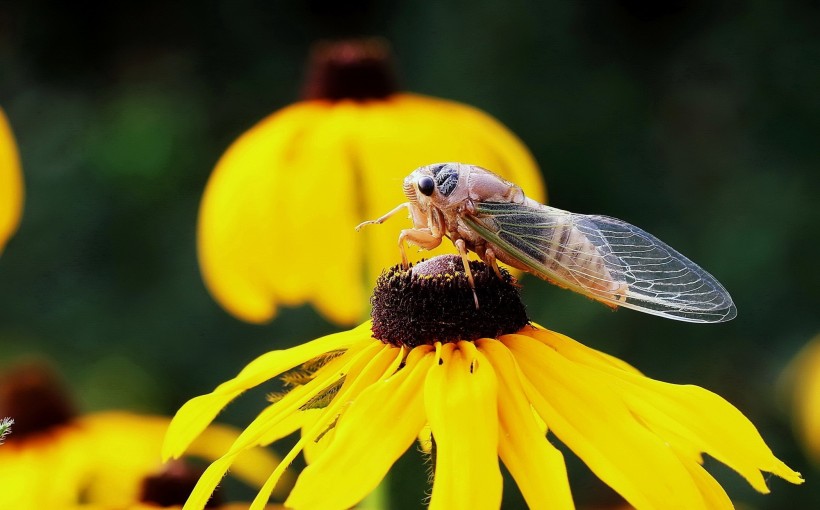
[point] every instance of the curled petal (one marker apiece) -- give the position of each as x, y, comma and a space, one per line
368, 440
380, 367
271, 422
197, 413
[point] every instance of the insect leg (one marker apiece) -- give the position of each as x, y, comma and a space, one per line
421, 237
462, 250
383, 218
489, 259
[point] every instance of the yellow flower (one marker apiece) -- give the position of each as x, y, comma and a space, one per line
11, 183
802, 378
477, 385
283, 200
55, 459
167, 488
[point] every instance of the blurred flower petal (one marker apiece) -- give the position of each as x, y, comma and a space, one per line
11, 183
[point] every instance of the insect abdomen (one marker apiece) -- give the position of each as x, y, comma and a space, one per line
576, 259
563, 252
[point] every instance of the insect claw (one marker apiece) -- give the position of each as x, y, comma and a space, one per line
383, 218
362, 224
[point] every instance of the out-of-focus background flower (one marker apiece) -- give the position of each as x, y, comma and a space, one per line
696, 120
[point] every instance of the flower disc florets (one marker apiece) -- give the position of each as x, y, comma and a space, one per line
173, 485
34, 397
433, 302
358, 69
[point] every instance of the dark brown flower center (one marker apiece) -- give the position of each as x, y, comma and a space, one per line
33, 396
358, 69
173, 485
432, 301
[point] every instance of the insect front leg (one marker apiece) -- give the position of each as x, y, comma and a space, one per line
462, 250
421, 237
382, 219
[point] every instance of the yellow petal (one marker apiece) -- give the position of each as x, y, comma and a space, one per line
46, 471
590, 418
209, 480
198, 412
318, 199
368, 365
537, 467
251, 466
349, 366
380, 366
697, 419
11, 183
460, 399
380, 425
214, 473
579, 352
278, 419
713, 494
705, 422
313, 449
126, 448
242, 227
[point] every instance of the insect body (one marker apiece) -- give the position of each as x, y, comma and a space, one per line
603, 258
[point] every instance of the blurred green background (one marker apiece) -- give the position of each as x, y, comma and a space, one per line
698, 121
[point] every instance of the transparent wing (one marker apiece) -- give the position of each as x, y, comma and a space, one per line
604, 258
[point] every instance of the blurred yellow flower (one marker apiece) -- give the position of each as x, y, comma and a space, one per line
11, 183
168, 488
477, 385
802, 378
54, 459
277, 218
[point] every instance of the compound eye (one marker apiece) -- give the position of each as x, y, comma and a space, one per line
426, 185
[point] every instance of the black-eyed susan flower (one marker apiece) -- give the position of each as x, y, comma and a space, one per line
57, 459
312, 171
11, 183
168, 488
475, 386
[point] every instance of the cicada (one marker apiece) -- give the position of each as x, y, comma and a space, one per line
603, 258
